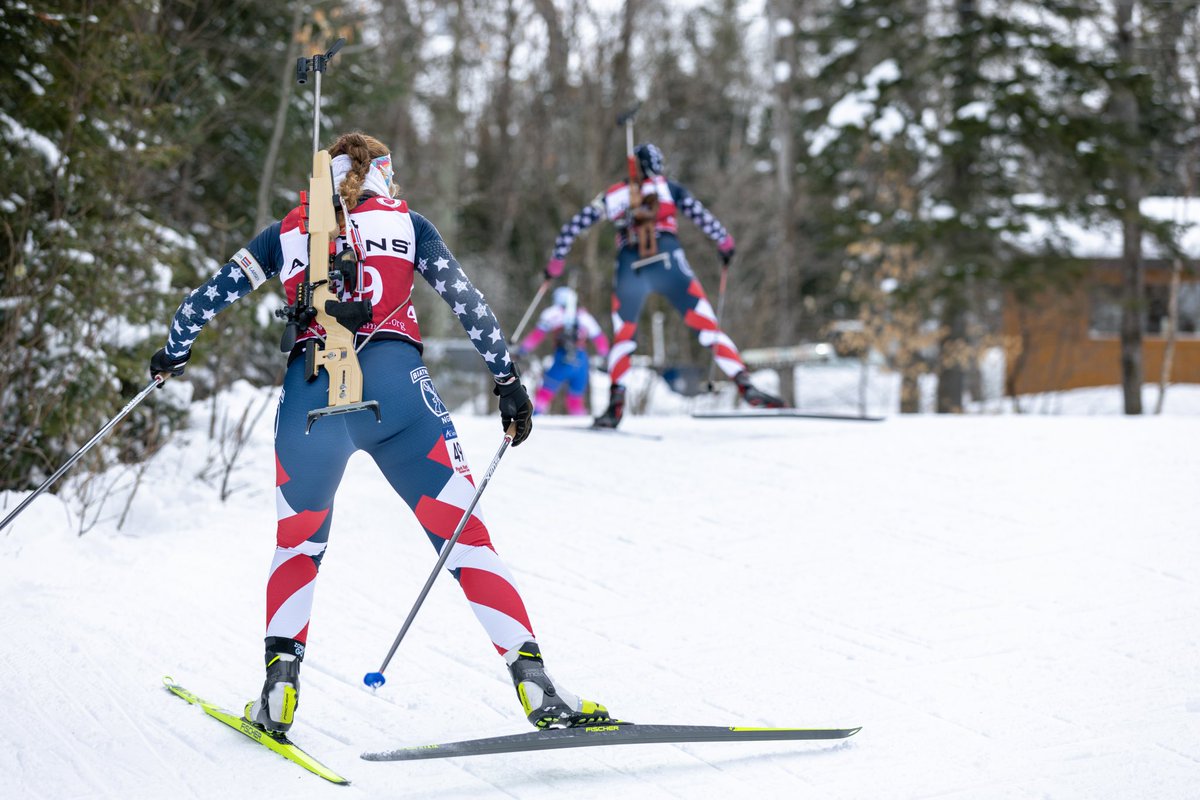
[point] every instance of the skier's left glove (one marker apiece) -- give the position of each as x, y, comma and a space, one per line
515, 409
726, 249
163, 364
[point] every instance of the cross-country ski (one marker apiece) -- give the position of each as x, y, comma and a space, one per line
277, 744
613, 733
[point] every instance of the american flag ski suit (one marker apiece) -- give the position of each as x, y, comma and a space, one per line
415, 446
667, 273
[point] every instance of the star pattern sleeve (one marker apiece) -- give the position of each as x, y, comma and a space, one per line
694, 210
440, 270
588, 216
230, 283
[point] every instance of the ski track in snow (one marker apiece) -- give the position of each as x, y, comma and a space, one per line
1006, 604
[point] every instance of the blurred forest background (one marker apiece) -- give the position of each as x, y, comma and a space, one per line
880, 163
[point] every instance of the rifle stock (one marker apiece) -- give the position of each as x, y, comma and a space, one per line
338, 358
643, 211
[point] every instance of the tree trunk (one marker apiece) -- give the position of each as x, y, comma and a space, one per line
910, 390
1133, 285
1164, 377
783, 51
952, 362
951, 367
262, 212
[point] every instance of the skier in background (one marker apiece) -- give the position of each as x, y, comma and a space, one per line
666, 272
572, 326
414, 444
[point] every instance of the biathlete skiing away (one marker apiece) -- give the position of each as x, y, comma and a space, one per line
414, 444
657, 265
571, 326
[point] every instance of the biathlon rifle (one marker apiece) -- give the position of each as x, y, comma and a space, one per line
316, 301
643, 211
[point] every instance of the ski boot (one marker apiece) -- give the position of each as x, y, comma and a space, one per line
753, 396
546, 703
275, 709
611, 417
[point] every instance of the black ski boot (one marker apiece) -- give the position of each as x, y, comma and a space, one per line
753, 396
547, 704
611, 417
275, 709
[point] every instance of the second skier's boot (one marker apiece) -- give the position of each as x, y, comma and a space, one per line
275, 708
547, 704
754, 396
611, 417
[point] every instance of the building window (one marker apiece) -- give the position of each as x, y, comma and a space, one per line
1104, 303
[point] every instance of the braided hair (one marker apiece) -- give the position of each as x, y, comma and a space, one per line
361, 148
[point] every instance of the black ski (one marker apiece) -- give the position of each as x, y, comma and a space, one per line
753, 413
654, 437
619, 432
613, 733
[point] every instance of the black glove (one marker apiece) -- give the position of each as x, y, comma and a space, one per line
515, 408
161, 363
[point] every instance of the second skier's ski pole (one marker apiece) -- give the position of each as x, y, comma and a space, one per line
376, 679
108, 426
516, 337
712, 368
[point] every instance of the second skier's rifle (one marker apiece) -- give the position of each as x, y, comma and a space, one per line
315, 300
643, 211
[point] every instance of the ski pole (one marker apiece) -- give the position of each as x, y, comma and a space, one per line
376, 679
108, 426
516, 338
712, 368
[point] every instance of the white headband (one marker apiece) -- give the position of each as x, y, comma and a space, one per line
374, 182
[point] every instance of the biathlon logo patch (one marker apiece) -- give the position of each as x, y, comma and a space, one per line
429, 394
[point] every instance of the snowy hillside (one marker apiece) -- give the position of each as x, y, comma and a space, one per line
1006, 604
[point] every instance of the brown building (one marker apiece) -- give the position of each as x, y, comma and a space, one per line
1071, 341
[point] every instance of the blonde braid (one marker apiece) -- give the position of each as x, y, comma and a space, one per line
361, 148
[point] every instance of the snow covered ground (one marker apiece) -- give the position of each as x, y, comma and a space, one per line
1006, 604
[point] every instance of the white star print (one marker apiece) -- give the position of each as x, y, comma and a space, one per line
459, 285
440, 287
175, 327
480, 310
231, 297
459, 309
422, 265
474, 333
235, 273
211, 292
489, 357
494, 335
208, 314
187, 309
442, 264
195, 328
507, 360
